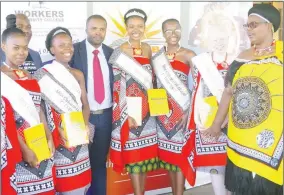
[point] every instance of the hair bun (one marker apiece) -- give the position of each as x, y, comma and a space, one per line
11, 21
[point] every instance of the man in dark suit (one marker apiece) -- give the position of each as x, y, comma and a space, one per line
91, 57
21, 21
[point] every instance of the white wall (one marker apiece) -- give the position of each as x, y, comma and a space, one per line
46, 16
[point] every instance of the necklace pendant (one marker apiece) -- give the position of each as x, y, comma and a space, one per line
137, 51
224, 65
171, 57
19, 73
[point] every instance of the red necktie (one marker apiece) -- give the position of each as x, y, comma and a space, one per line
99, 88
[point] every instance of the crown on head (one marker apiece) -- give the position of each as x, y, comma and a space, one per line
135, 13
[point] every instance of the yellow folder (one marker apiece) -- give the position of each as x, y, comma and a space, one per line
158, 102
35, 138
74, 129
212, 101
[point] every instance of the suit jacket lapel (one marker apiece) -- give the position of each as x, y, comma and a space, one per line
84, 57
35, 59
106, 52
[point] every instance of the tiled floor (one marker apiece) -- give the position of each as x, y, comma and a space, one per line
202, 190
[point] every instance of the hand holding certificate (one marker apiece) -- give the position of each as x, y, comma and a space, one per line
74, 129
35, 138
212, 102
134, 109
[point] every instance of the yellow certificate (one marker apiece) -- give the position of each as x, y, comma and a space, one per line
158, 102
212, 102
74, 128
35, 138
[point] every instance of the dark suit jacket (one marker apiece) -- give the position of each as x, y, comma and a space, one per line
35, 56
80, 61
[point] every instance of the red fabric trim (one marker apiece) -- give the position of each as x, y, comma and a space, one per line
170, 157
189, 174
192, 123
72, 183
210, 160
120, 159
189, 147
142, 60
187, 170
180, 66
14, 155
181, 161
30, 85
190, 144
55, 133
141, 155
11, 133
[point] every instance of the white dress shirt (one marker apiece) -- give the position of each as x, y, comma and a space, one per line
107, 103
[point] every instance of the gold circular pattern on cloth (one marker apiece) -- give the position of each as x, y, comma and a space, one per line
251, 102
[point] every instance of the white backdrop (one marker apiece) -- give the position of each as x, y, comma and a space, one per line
47, 16
114, 11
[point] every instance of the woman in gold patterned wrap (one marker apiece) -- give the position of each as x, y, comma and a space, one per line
253, 100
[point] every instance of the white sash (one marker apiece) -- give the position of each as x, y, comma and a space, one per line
215, 83
132, 67
210, 74
20, 100
174, 86
56, 93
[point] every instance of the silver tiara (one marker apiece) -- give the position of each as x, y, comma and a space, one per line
135, 13
59, 31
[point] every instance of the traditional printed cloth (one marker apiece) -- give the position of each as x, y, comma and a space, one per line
10, 149
206, 154
26, 105
132, 78
62, 94
255, 129
172, 76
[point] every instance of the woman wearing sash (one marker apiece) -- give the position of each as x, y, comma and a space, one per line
253, 100
209, 71
172, 65
10, 149
24, 94
64, 92
133, 145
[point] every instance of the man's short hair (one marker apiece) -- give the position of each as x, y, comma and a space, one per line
96, 16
